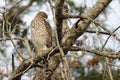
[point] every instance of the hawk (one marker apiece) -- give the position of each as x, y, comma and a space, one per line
41, 32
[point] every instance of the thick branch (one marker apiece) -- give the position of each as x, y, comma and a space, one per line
59, 20
77, 30
108, 54
54, 59
29, 63
81, 25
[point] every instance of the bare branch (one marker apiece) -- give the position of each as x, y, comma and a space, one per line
68, 39
109, 37
81, 25
13, 65
17, 38
59, 20
107, 59
88, 31
97, 52
28, 64
19, 11
106, 29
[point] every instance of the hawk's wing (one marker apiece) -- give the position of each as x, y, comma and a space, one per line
49, 30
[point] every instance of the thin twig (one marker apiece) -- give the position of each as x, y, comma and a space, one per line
103, 27
48, 56
15, 47
97, 52
16, 38
98, 35
88, 31
6, 23
4, 42
62, 54
51, 6
14, 4
13, 65
27, 46
23, 71
109, 37
56, 36
107, 59
65, 64
94, 21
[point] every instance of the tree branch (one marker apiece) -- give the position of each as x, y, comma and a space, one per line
81, 25
59, 20
68, 39
18, 12
88, 31
97, 52
30, 62
54, 59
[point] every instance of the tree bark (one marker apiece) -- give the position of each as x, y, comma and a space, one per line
69, 38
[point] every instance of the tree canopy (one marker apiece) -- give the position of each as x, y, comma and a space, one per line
85, 40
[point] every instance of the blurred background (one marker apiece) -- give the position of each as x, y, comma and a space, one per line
83, 65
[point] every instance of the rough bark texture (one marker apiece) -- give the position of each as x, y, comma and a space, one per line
81, 25
68, 39
59, 20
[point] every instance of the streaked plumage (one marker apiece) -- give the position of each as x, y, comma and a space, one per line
41, 32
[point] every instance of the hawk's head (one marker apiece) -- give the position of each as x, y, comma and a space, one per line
41, 15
